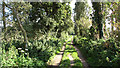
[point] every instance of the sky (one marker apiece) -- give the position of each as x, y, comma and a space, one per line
72, 5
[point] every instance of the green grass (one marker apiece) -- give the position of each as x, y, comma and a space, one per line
65, 60
77, 62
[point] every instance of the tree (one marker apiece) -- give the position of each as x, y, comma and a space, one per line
20, 14
50, 17
81, 17
97, 6
113, 17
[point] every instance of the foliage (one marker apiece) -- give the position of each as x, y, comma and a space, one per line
41, 25
65, 61
58, 13
81, 18
83, 26
111, 13
45, 26
44, 48
12, 58
81, 9
100, 52
116, 35
37, 53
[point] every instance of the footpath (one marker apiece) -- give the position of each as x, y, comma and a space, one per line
69, 57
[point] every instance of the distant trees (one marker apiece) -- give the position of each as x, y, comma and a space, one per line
81, 18
102, 13
97, 6
111, 13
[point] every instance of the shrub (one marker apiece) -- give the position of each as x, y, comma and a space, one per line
100, 52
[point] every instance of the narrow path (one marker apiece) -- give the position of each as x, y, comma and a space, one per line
57, 59
85, 65
81, 58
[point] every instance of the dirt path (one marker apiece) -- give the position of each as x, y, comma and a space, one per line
81, 58
85, 65
57, 59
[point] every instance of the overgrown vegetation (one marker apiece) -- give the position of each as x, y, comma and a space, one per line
37, 53
99, 46
99, 53
33, 32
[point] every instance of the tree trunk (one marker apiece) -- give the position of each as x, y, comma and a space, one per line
98, 17
4, 22
100, 31
19, 24
22, 29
